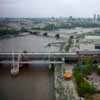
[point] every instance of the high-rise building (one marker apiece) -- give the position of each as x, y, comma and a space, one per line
98, 17
94, 18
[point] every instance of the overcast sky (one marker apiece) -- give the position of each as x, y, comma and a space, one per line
48, 8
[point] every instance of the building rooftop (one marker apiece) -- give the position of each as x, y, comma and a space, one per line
93, 37
97, 42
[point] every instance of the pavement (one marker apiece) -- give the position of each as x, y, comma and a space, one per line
69, 90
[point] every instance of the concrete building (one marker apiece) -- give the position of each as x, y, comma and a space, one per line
92, 37
97, 45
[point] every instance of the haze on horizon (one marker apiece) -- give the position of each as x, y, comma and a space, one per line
49, 8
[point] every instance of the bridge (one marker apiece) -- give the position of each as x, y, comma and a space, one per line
17, 59
35, 57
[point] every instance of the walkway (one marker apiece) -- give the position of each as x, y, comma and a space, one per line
69, 85
65, 89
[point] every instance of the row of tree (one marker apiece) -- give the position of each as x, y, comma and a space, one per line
11, 31
80, 74
52, 27
8, 31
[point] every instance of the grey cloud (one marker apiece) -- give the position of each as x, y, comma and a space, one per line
43, 8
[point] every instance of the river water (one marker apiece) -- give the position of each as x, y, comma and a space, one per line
30, 43
34, 81
35, 43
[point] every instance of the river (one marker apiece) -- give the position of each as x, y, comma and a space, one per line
30, 43
35, 43
34, 81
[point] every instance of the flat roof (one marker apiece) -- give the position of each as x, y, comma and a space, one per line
97, 43
92, 37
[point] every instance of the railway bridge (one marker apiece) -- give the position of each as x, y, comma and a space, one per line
17, 59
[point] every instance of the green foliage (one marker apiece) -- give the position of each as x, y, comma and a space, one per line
50, 27
88, 66
23, 29
37, 28
85, 88
64, 69
87, 69
8, 32
72, 37
88, 60
78, 77
98, 70
77, 69
67, 48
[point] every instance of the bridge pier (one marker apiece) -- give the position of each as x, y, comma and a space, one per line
51, 67
15, 68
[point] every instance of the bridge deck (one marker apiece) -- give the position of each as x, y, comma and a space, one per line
35, 56
31, 62
35, 53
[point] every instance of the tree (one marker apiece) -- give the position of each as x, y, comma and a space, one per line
23, 29
88, 60
87, 70
50, 27
86, 88
57, 36
98, 70
78, 77
8, 32
45, 34
71, 37
88, 65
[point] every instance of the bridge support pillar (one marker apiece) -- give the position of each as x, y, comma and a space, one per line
15, 68
51, 67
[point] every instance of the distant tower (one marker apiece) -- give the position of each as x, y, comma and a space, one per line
94, 18
70, 18
98, 17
